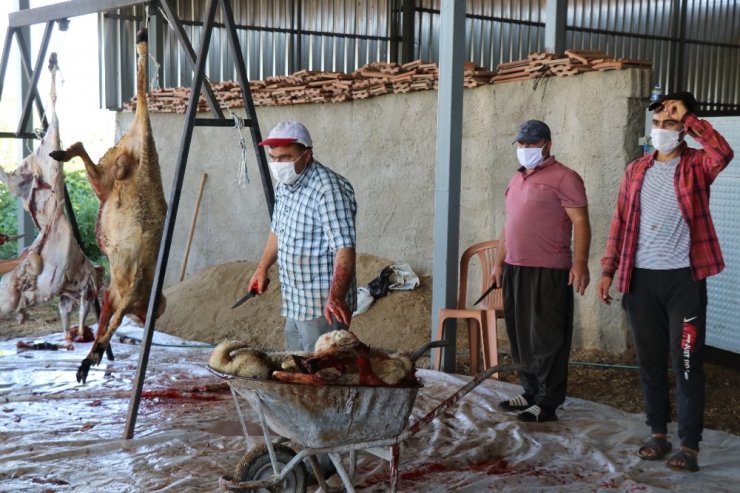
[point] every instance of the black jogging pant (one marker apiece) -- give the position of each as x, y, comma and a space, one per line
667, 312
538, 310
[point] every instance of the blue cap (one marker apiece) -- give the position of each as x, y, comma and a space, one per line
533, 131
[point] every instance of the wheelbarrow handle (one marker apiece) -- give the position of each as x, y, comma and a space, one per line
427, 347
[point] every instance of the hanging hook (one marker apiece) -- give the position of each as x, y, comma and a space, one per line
150, 10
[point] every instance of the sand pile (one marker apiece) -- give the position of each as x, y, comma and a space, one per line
199, 309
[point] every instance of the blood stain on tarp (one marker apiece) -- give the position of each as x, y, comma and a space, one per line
56, 482
492, 467
152, 399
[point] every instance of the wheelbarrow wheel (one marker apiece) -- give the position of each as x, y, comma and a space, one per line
256, 465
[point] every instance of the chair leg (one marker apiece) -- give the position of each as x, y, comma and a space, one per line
490, 344
438, 336
473, 344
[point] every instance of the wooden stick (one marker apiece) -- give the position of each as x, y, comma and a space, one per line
192, 226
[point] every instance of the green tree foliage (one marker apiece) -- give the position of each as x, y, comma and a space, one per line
8, 222
84, 203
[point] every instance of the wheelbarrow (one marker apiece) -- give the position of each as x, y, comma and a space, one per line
331, 420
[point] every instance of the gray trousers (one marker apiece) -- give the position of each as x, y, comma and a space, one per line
301, 335
538, 310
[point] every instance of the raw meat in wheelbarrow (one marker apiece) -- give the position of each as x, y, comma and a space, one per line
131, 217
342, 359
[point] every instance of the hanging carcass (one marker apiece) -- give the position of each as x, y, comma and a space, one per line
54, 265
128, 183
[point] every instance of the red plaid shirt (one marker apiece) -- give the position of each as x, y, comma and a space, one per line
695, 172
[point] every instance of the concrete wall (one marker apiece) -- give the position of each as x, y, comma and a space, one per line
386, 147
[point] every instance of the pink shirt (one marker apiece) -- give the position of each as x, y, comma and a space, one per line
538, 230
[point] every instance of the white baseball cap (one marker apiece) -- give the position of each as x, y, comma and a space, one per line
286, 133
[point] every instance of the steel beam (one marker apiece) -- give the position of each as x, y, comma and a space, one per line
176, 26
169, 222
447, 181
32, 93
65, 10
4, 58
251, 112
555, 20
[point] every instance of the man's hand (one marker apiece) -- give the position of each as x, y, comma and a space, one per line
3, 238
336, 307
674, 109
259, 281
602, 290
579, 277
497, 275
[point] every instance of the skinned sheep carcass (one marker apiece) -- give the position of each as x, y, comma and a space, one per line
128, 183
54, 264
340, 358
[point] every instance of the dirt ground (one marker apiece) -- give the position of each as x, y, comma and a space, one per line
199, 309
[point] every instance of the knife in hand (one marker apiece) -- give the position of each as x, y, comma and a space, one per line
251, 294
486, 293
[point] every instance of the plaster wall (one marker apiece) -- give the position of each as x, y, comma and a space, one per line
386, 147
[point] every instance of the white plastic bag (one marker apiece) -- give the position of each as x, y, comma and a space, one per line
403, 278
364, 300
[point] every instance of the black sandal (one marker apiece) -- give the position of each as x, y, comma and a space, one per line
683, 460
659, 446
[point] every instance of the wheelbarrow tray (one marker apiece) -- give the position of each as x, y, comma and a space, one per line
328, 415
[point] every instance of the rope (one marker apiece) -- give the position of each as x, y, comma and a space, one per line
154, 81
53, 67
543, 73
242, 174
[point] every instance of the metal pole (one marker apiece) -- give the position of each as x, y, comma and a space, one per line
407, 46
169, 223
449, 153
251, 112
555, 17
24, 221
176, 25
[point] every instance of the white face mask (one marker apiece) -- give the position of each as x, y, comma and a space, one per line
283, 171
530, 157
664, 140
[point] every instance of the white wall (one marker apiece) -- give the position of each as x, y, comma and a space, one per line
386, 147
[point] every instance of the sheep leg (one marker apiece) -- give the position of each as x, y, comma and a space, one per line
96, 351
64, 309
109, 323
96, 175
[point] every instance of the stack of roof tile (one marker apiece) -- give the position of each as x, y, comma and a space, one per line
573, 62
378, 78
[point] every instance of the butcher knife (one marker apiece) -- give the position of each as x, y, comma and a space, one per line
15, 237
251, 294
493, 286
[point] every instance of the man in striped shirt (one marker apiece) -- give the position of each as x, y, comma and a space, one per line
664, 245
312, 238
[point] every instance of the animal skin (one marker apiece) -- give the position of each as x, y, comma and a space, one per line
128, 183
54, 264
237, 358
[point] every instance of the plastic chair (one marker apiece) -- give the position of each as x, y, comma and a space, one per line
482, 319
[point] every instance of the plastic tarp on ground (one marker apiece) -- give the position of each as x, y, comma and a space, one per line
58, 435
